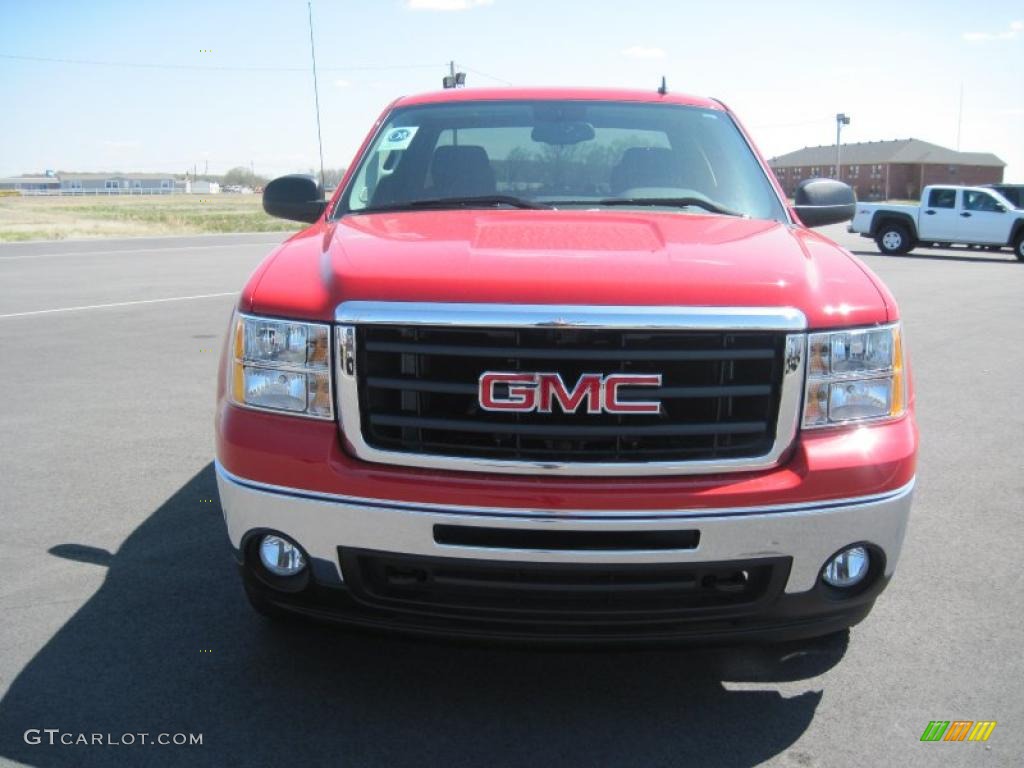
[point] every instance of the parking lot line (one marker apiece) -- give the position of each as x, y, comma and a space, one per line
116, 304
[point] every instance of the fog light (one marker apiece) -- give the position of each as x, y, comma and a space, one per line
847, 568
280, 556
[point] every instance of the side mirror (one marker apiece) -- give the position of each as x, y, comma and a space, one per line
294, 197
824, 201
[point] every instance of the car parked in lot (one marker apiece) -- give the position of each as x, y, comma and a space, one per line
947, 215
564, 365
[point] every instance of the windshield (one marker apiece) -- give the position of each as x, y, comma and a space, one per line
561, 154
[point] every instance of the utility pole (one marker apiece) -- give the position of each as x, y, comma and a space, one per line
316, 95
841, 120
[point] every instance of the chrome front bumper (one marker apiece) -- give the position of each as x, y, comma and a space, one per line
807, 533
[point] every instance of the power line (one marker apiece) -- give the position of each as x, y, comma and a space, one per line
484, 74
794, 125
208, 68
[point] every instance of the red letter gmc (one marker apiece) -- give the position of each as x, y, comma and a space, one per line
565, 365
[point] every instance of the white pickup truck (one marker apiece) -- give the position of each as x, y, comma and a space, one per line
946, 215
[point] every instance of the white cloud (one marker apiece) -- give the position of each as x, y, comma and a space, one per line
643, 52
1014, 30
444, 5
122, 143
341, 83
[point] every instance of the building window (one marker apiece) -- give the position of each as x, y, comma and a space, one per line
137, 184
111, 184
76, 184
165, 183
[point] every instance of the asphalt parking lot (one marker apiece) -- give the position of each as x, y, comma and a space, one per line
122, 612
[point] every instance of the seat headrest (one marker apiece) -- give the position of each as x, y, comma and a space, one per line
462, 171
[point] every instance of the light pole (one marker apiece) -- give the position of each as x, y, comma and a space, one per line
841, 120
453, 79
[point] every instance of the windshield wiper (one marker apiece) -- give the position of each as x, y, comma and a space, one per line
670, 202
480, 201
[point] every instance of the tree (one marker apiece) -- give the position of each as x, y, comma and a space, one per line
240, 176
332, 176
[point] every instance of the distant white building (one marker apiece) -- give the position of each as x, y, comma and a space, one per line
200, 187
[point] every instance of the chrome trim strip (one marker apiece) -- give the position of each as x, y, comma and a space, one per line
564, 514
571, 316
645, 318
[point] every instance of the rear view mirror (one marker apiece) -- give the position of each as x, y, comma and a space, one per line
562, 133
824, 201
295, 197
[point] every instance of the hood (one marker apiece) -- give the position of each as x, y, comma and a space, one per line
565, 257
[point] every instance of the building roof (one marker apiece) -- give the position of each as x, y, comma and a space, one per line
30, 180
882, 152
566, 94
141, 176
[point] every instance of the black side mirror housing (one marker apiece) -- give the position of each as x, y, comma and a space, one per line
819, 202
296, 197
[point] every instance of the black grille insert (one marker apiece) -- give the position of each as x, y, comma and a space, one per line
557, 591
524, 538
719, 396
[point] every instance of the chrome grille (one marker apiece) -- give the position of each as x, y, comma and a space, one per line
409, 386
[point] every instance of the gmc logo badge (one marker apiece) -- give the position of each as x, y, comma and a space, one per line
526, 392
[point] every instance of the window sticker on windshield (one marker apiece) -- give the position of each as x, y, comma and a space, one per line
397, 138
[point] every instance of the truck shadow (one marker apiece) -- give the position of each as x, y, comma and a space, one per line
168, 645
950, 255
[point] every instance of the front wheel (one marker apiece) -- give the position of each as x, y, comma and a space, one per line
1018, 247
893, 239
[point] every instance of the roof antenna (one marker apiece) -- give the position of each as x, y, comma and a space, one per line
663, 88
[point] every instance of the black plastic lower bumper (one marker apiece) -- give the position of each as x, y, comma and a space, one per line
767, 614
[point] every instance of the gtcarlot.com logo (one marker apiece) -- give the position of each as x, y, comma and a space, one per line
55, 736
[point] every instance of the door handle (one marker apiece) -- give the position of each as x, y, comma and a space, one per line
930, 213
966, 215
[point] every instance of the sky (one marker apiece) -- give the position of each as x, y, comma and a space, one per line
218, 84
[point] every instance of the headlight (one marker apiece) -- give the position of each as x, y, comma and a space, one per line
854, 376
281, 365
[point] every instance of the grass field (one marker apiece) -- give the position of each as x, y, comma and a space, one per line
56, 218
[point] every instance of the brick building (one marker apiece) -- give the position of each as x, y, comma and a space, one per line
887, 170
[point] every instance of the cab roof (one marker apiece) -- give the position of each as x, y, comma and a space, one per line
555, 94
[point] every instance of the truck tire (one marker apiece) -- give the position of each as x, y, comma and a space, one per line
1018, 247
893, 239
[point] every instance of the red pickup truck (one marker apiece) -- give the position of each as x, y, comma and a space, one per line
564, 365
